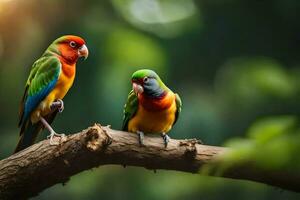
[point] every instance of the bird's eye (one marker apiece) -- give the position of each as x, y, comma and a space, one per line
73, 44
146, 79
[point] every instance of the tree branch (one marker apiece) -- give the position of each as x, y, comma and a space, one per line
41, 166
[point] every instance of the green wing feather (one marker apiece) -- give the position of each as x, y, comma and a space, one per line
130, 109
178, 106
32, 74
42, 79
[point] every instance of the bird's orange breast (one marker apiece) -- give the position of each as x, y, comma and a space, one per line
156, 120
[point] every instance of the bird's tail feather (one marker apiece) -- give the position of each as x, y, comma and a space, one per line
28, 135
30, 132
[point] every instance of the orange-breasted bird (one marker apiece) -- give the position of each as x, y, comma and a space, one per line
50, 79
151, 106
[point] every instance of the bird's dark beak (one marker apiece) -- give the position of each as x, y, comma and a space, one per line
137, 88
83, 52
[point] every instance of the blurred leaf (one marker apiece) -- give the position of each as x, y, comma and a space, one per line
272, 145
132, 49
165, 18
252, 79
266, 129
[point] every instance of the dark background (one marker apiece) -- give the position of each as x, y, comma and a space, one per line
233, 63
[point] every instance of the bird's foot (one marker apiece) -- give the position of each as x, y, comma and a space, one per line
166, 139
141, 137
52, 132
53, 135
59, 105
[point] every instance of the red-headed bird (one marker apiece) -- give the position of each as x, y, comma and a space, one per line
50, 78
151, 106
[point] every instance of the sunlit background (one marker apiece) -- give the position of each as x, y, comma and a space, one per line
233, 63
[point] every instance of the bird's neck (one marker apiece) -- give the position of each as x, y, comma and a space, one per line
157, 103
68, 67
69, 70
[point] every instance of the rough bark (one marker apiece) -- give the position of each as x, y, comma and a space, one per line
40, 166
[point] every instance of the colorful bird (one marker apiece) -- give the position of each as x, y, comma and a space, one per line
50, 78
151, 106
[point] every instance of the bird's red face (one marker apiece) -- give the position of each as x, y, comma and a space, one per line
72, 47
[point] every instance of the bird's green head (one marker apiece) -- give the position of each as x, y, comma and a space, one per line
148, 83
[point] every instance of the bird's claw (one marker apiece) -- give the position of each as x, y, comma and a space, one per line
141, 138
59, 105
62, 106
166, 139
53, 135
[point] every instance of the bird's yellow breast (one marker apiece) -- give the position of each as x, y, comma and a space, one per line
64, 83
153, 121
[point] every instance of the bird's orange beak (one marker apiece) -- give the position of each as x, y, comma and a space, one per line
137, 88
83, 51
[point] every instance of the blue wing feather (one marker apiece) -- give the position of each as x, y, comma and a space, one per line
33, 101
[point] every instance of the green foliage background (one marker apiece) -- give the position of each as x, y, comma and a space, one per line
235, 64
